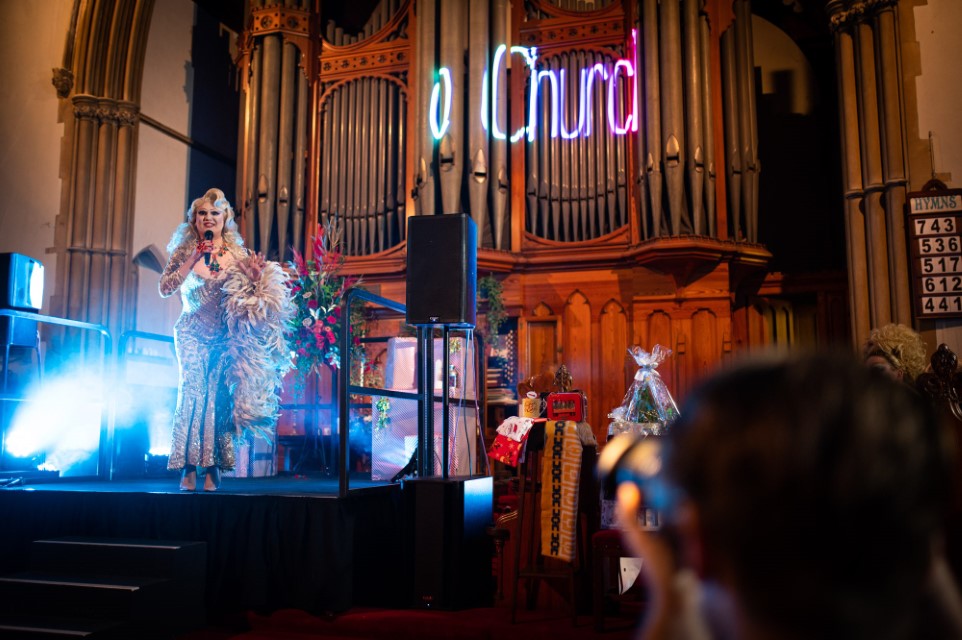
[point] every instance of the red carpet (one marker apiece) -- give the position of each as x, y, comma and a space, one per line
471, 624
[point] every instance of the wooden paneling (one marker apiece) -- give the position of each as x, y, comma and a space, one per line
654, 326
706, 352
615, 373
680, 296
539, 340
577, 341
698, 332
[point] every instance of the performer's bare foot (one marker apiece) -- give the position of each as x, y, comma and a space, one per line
212, 479
188, 479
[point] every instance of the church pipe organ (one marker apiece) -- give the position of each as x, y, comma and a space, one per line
584, 138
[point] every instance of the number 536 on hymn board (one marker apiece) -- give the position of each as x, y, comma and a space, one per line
935, 248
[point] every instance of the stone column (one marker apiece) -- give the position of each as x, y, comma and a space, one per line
873, 154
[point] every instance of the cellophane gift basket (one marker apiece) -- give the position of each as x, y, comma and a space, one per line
647, 410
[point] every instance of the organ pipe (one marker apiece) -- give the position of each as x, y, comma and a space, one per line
733, 154
694, 121
672, 115
745, 77
708, 122
285, 148
640, 173
499, 148
451, 164
253, 137
653, 160
267, 145
424, 163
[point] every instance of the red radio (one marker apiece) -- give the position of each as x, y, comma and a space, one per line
567, 405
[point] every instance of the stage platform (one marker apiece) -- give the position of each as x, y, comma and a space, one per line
272, 543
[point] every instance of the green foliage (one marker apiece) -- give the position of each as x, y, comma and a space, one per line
491, 291
383, 406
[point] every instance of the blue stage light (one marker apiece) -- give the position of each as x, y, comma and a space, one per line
59, 419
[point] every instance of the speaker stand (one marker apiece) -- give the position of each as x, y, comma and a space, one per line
408, 469
425, 447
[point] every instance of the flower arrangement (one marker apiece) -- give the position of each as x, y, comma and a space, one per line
317, 290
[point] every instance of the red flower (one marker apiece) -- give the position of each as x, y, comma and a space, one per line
299, 263
317, 286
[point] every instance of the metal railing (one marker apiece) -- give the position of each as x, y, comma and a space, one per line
344, 387
425, 394
114, 366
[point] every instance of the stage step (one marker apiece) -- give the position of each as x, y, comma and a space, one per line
121, 588
49, 628
122, 557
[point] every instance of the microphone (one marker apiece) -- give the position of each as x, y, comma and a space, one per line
208, 235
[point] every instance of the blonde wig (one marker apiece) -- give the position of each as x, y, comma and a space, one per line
186, 233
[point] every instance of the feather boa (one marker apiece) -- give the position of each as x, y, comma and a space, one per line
258, 357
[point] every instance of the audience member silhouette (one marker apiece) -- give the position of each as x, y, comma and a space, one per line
804, 498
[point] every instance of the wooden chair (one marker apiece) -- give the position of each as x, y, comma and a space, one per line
528, 561
606, 549
943, 386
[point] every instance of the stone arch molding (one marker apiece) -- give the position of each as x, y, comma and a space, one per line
99, 86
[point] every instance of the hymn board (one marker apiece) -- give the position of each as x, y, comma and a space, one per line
935, 248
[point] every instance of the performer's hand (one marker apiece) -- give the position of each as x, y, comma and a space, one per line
253, 266
192, 259
204, 246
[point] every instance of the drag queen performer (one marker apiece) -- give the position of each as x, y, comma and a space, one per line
229, 339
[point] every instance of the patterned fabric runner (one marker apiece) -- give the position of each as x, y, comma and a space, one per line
560, 474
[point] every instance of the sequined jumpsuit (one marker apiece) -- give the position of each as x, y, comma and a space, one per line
203, 428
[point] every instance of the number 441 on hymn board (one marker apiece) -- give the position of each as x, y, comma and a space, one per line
935, 248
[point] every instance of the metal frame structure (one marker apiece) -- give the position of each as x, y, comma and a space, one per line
105, 454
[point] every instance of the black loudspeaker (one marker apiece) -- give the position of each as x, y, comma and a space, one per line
452, 551
442, 270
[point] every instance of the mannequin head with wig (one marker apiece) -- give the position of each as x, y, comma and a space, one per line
897, 351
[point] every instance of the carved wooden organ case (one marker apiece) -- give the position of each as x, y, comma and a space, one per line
607, 151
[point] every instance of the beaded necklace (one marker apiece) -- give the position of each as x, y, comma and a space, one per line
214, 266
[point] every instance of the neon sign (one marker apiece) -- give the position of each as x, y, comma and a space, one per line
438, 129
439, 115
